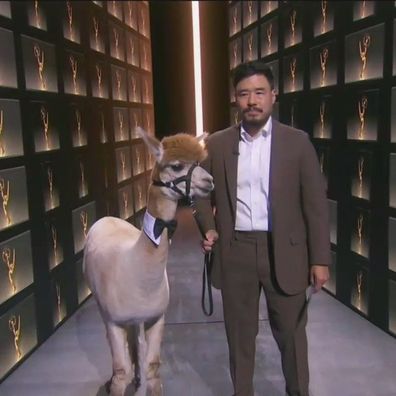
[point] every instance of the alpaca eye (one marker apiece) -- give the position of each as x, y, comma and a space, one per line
177, 168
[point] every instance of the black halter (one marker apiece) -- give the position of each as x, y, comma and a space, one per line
173, 184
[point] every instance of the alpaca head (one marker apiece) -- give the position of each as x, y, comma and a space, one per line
177, 171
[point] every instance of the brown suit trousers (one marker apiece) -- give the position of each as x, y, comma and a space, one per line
250, 270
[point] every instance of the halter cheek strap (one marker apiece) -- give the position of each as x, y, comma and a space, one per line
182, 179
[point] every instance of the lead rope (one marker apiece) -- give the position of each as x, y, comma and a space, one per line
207, 284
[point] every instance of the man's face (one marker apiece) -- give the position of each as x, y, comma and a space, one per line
255, 100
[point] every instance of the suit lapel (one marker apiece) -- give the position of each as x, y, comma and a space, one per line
275, 169
231, 166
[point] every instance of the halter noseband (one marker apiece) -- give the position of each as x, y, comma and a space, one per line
173, 183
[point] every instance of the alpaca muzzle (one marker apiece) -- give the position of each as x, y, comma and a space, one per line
182, 179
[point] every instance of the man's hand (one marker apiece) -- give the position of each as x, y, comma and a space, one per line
319, 276
211, 237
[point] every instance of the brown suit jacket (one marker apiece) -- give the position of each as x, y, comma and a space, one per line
298, 204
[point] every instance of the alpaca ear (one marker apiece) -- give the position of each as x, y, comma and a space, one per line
154, 145
203, 137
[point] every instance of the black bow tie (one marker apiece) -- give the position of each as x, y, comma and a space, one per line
160, 224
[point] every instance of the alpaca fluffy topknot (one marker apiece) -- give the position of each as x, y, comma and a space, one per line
182, 147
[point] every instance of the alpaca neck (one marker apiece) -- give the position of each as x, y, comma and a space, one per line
152, 270
159, 205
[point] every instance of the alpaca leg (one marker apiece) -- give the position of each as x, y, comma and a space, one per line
142, 352
132, 350
122, 370
154, 336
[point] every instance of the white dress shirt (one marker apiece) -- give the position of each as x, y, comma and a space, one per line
252, 209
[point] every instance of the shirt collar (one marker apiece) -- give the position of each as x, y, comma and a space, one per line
265, 131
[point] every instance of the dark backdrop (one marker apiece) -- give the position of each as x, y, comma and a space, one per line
173, 68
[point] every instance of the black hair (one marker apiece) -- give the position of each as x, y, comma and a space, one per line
249, 69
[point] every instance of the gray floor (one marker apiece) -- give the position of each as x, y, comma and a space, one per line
348, 355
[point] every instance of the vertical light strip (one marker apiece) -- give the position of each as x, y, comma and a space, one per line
197, 69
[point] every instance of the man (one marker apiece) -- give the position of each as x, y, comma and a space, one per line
267, 227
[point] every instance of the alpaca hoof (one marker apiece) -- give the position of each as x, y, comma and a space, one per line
154, 387
117, 387
137, 382
107, 386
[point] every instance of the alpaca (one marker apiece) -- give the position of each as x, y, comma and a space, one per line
126, 268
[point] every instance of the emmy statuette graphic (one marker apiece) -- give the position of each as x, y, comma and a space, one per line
5, 196
269, 38
2, 148
362, 108
54, 236
324, 15
293, 16
99, 79
74, 67
40, 57
10, 262
359, 283
360, 231
322, 112
96, 29
324, 54
14, 325
250, 46
84, 222
70, 19
364, 45
293, 66
360, 173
